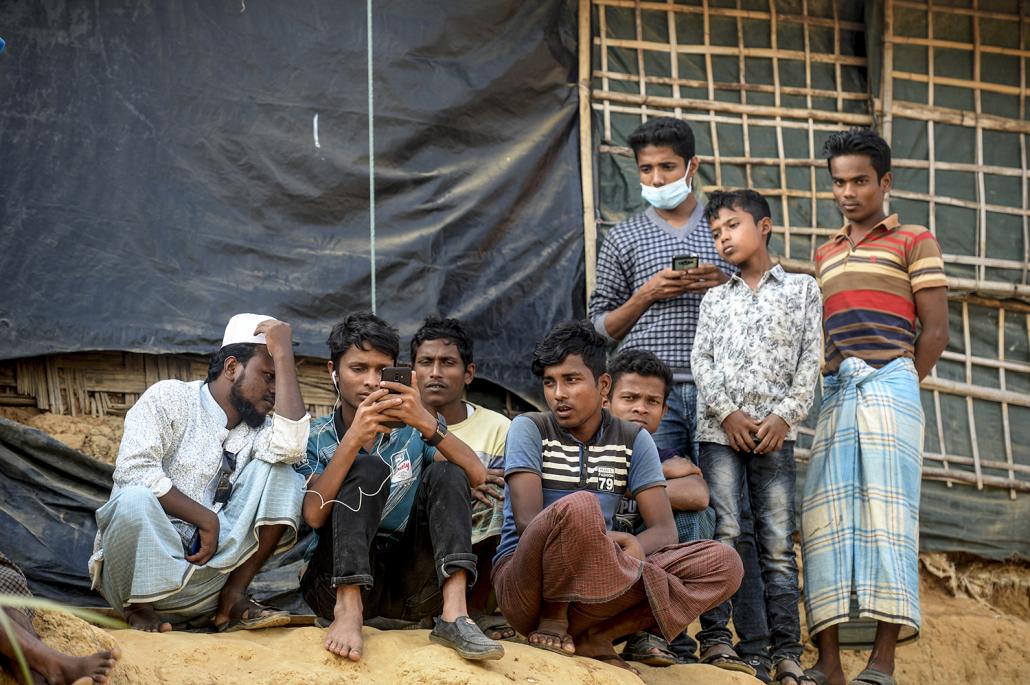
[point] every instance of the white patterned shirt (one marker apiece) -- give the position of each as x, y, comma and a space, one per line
175, 435
757, 351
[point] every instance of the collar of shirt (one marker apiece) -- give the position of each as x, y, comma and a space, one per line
776, 272
211, 406
888, 224
606, 418
692, 223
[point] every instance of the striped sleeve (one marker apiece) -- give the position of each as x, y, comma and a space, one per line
925, 263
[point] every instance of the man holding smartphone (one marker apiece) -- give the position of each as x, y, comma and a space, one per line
654, 268
390, 504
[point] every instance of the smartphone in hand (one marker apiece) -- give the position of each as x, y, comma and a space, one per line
684, 262
397, 374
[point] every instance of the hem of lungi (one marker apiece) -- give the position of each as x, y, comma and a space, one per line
503, 561
815, 629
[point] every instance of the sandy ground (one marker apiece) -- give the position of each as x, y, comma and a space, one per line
976, 629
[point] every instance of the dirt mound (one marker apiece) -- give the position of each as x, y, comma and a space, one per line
97, 436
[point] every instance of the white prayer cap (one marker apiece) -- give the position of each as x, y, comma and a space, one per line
240, 329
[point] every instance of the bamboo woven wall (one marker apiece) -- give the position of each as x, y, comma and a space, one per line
764, 82
109, 383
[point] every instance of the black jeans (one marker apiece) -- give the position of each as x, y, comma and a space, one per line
400, 578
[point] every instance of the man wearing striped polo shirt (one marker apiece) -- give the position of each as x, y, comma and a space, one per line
860, 501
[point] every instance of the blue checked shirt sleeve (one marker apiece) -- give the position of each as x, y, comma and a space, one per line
614, 283
708, 377
794, 407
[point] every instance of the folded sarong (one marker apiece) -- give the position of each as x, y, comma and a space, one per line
143, 556
860, 502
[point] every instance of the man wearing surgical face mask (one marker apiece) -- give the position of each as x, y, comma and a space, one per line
641, 302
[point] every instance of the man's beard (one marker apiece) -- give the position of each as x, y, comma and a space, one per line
249, 414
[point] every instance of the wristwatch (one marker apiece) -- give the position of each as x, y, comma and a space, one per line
435, 439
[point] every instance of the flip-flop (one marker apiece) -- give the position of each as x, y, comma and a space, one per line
562, 637
871, 676
817, 676
729, 661
800, 677
494, 623
267, 617
638, 648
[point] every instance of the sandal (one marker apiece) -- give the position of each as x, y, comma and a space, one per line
726, 660
639, 648
790, 668
252, 615
817, 676
562, 638
464, 637
871, 676
495, 623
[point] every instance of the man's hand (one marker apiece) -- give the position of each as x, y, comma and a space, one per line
629, 544
493, 487
771, 432
739, 427
664, 285
278, 337
208, 530
705, 277
409, 409
370, 416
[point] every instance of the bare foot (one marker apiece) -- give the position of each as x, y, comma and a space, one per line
61, 669
552, 635
143, 617
594, 647
344, 635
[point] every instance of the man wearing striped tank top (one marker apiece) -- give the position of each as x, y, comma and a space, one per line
860, 502
562, 576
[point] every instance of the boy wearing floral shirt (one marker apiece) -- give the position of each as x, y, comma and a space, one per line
755, 360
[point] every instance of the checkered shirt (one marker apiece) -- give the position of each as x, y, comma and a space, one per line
633, 252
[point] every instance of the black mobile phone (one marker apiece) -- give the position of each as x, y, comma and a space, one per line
684, 262
397, 374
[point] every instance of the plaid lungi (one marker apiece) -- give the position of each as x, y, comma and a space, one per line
13, 582
860, 503
143, 554
486, 519
565, 555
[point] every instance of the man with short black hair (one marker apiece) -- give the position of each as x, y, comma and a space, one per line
563, 577
390, 505
203, 492
441, 353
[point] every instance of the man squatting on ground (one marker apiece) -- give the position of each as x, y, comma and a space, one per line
756, 361
860, 504
441, 354
641, 302
391, 506
640, 386
203, 489
562, 576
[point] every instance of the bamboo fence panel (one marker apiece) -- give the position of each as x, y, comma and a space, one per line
799, 73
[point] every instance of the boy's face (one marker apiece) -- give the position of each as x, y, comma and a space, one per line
358, 372
442, 376
737, 237
659, 165
855, 188
571, 392
639, 399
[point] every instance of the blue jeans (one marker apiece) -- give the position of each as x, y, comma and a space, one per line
770, 483
679, 425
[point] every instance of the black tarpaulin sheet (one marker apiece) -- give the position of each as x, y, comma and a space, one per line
162, 170
48, 495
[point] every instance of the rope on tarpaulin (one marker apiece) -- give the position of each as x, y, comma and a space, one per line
371, 161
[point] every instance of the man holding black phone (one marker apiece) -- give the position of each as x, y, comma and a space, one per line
388, 495
653, 269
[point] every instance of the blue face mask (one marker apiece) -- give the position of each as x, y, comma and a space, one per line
669, 196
